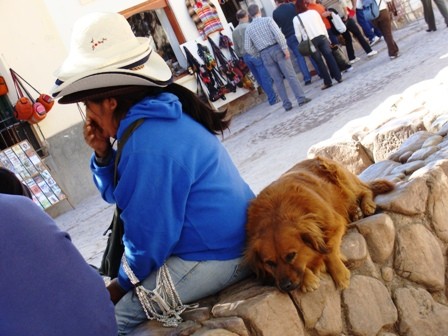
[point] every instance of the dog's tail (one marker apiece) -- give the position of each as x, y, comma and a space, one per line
380, 186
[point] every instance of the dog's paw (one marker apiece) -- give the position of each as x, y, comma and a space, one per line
310, 282
368, 206
342, 278
356, 214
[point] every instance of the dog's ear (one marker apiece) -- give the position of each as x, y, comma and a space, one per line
312, 234
252, 258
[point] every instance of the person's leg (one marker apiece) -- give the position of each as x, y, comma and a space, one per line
317, 57
288, 72
428, 13
193, 280
293, 45
349, 46
366, 27
262, 76
269, 58
353, 28
383, 22
441, 5
324, 47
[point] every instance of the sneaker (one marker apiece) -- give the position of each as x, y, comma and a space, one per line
289, 108
353, 61
372, 53
394, 57
374, 41
308, 82
326, 86
304, 101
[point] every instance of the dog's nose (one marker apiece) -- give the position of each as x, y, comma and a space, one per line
286, 285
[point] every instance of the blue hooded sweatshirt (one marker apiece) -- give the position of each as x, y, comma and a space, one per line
178, 189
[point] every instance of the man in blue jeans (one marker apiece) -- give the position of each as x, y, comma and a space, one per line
254, 64
372, 33
283, 16
264, 38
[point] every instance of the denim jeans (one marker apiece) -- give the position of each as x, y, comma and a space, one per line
323, 50
367, 27
279, 68
293, 45
193, 280
261, 75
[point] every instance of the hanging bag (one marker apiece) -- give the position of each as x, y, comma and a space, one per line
338, 23
306, 47
3, 86
370, 9
46, 100
23, 108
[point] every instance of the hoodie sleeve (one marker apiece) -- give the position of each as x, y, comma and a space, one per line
153, 210
103, 177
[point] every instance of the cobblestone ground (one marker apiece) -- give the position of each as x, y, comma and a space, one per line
266, 141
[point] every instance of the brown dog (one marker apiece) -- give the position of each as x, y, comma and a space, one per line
295, 225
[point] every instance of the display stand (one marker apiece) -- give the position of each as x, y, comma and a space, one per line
23, 161
190, 80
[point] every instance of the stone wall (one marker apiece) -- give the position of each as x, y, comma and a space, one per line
398, 257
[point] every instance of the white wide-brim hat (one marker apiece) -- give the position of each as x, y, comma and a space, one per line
104, 52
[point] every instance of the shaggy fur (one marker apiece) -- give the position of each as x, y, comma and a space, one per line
295, 225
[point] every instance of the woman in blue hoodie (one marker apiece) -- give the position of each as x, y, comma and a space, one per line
182, 200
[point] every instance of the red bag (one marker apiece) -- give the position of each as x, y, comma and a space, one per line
23, 109
3, 86
46, 100
39, 113
27, 108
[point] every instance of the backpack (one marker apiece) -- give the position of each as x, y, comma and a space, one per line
370, 9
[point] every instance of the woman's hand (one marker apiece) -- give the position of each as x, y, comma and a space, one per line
115, 291
93, 136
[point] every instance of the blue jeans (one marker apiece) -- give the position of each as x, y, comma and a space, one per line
293, 45
367, 27
261, 75
279, 68
193, 280
323, 50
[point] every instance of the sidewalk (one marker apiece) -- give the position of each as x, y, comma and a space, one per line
265, 141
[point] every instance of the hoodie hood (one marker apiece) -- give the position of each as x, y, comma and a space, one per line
162, 106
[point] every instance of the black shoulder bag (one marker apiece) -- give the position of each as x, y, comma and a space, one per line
110, 263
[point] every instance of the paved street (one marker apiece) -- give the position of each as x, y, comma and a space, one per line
266, 141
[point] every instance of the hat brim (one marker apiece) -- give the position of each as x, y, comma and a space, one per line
95, 94
155, 72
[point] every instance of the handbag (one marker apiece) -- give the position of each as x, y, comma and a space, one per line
3, 86
340, 57
306, 47
338, 23
111, 260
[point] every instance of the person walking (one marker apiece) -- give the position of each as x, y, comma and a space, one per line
372, 33
264, 38
283, 15
428, 13
255, 64
352, 29
182, 201
317, 33
383, 23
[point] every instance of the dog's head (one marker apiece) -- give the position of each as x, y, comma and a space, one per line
282, 243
